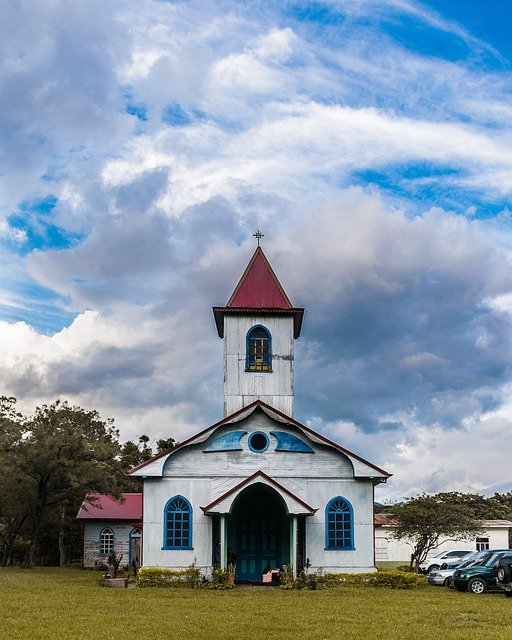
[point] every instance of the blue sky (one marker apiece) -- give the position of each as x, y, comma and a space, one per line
143, 143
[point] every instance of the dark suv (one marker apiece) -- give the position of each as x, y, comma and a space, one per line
504, 575
481, 576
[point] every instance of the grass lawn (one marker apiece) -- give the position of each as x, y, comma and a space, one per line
69, 603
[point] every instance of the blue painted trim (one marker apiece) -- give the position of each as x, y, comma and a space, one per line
190, 522
349, 547
227, 442
259, 433
177, 548
289, 442
247, 349
102, 553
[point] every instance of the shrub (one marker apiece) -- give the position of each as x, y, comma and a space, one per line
157, 577
398, 580
221, 579
391, 579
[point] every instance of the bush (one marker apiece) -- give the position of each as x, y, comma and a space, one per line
221, 579
392, 579
156, 577
398, 580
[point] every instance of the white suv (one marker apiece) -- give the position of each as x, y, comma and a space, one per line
432, 564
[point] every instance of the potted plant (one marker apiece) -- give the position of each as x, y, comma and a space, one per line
115, 577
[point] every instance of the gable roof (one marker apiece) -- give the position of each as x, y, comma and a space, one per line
362, 468
258, 289
98, 506
223, 503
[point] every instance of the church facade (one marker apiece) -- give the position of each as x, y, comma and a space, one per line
259, 489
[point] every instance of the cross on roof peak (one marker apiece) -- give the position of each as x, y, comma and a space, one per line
258, 235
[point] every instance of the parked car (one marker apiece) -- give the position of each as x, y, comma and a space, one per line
431, 564
443, 576
504, 576
480, 576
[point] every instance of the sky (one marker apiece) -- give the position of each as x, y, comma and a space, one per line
143, 142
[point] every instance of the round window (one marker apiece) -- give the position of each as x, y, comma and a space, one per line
258, 442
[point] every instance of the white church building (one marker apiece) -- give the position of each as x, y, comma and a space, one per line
258, 486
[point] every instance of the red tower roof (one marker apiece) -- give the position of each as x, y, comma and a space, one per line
258, 289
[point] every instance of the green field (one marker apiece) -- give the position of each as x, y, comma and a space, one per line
68, 603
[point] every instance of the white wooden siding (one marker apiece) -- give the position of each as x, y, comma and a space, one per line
242, 387
325, 462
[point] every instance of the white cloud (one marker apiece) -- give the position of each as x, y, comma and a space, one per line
405, 346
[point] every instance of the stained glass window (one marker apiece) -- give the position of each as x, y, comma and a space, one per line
259, 350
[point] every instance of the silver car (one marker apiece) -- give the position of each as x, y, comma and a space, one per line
442, 577
454, 555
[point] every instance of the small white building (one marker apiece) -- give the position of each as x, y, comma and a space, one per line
259, 486
494, 535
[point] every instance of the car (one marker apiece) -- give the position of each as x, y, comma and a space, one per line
504, 576
480, 576
443, 575
430, 564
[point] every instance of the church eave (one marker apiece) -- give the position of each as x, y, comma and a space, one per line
380, 474
297, 312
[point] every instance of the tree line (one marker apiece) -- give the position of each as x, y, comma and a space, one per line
49, 462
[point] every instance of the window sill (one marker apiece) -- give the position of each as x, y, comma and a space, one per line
177, 548
339, 548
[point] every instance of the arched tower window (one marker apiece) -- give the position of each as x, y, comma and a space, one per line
178, 524
106, 541
259, 349
339, 524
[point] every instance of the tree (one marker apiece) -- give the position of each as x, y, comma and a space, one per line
64, 454
424, 520
15, 500
164, 444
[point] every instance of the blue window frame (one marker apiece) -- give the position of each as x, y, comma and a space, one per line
178, 524
106, 541
339, 524
258, 349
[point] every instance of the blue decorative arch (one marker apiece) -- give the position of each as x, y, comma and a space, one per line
258, 351
289, 442
227, 442
178, 524
339, 525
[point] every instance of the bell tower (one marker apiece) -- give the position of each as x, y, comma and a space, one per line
259, 326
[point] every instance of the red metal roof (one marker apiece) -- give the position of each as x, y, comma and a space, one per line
105, 507
259, 287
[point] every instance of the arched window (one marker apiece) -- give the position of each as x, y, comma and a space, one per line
106, 541
178, 524
259, 350
339, 524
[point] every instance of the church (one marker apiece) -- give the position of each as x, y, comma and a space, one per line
258, 489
